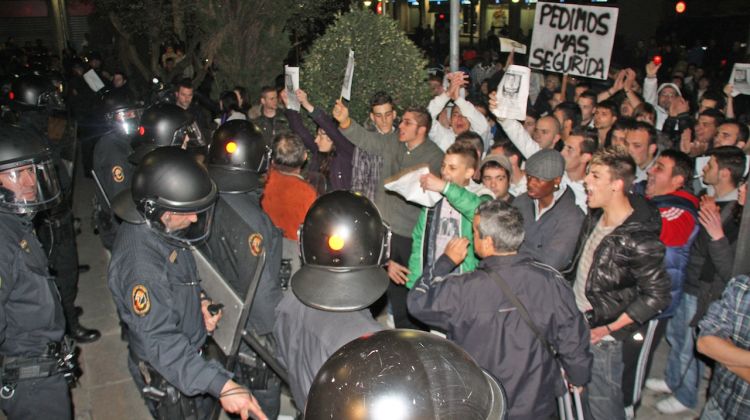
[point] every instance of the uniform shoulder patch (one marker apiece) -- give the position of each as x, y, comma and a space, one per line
118, 174
24, 244
255, 242
141, 300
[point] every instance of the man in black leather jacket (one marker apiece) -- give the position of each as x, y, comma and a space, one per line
618, 272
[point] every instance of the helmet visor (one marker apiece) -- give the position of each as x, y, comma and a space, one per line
126, 120
28, 187
52, 99
187, 228
189, 136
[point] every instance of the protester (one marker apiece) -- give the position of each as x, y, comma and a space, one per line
483, 318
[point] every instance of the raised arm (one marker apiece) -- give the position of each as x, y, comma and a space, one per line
343, 145
515, 131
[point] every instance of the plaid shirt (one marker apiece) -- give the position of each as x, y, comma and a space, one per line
729, 318
367, 169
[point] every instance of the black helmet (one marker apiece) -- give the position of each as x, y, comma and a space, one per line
167, 125
34, 91
28, 181
169, 180
121, 111
403, 374
237, 155
343, 243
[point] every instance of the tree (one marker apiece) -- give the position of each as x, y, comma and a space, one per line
385, 60
243, 41
309, 20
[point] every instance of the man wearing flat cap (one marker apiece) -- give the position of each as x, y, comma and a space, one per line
551, 219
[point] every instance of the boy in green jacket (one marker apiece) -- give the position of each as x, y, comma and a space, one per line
452, 216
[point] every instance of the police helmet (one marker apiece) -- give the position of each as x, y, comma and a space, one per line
403, 374
167, 125
34, 91
28, 181
121, 111
343, 243
170, 184
237, 155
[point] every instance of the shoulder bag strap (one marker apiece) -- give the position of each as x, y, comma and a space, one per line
522, 311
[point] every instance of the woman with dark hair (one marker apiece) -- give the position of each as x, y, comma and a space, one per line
242, 99
230, 108
330, 166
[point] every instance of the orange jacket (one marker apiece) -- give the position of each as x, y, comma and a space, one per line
286, 199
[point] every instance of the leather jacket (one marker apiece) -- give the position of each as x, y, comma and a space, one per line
628, 273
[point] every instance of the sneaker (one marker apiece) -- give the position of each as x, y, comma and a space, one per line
671, 405
658, 385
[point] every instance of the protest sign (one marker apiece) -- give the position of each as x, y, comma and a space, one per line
740, 79
508, 45
513, 93
291, 83
346, 89
573, 39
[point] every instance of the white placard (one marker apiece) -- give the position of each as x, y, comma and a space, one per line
291, 83
740, 79
92, 79
573, 39
513, 93
407, 186
508, 45
346, 88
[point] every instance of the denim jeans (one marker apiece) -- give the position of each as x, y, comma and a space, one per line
684, 369
604, 392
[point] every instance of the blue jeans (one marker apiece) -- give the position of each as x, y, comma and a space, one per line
684, 369
604, 392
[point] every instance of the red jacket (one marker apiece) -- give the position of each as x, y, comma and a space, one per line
286, 199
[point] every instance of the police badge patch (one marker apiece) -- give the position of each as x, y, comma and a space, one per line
255, 242
141, 301
117, 174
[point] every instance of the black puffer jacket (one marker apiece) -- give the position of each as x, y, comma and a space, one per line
628, 273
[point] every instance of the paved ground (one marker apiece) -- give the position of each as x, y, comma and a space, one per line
106, 390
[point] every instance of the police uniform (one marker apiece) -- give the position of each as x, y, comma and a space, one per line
241, 231
56, 231
31, 318
114, 172
157, 294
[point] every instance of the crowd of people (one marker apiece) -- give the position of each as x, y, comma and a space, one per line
577, 240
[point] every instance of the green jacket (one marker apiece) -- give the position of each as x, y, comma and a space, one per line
466, 203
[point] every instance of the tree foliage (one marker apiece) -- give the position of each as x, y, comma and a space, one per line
243, 40
253, 45
385, 60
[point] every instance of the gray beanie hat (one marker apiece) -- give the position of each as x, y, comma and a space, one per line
546, 164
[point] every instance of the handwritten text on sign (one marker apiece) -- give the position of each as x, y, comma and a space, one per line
573, 39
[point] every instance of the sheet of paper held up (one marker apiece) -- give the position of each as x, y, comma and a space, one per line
346, 88
508, 45
740, 79
513, 93
406, 184
92, 79
291, 83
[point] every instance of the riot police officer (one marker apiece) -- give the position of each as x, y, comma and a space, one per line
241, 232
404, 374
154, 282
31, 318
35, 98
165, 125
343, 243
112, 168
